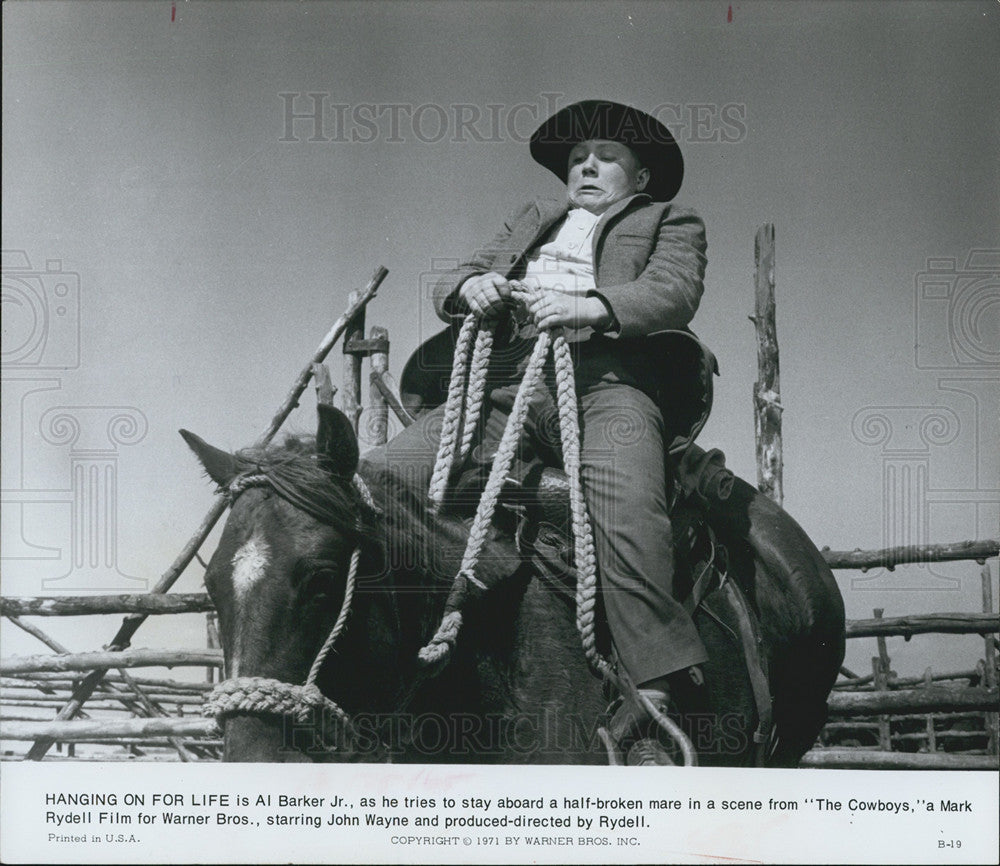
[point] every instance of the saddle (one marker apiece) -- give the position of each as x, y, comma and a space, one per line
543, 535
538, 498
538, 495
541, 504
709, 505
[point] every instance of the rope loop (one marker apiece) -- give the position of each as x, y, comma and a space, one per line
468, 398
263, 695
452, 413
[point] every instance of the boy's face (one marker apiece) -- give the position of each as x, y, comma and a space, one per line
602, 172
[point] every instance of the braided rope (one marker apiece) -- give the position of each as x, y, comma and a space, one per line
583, 536
444, 638
345, 609
256, 695
476, 388
260, 695
365, 493
244, 482
452, 414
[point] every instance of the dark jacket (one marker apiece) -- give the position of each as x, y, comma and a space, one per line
649, 261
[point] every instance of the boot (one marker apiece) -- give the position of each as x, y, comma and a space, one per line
648, 752
637, 732
634, 730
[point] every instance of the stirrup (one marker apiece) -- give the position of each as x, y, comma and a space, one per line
632, 721
644, 714
648, 752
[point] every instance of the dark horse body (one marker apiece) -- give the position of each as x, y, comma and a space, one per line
517, 688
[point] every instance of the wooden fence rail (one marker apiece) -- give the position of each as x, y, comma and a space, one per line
927, 700
85, 605
68, 731
942, 623
102, 661
46, 679
865, 683
931, 623
853, 759
890, 557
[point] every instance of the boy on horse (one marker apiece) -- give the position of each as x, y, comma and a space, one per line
617, 265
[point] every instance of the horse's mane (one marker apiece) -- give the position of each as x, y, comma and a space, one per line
429, 543
406, 533
295, 465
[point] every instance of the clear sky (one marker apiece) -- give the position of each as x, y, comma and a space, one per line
149, 160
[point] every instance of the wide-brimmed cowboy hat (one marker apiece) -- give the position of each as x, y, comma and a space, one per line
600, 119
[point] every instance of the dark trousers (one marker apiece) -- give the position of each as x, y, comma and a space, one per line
624, 477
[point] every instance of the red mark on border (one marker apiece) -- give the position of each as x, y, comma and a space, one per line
729, 15
173, 13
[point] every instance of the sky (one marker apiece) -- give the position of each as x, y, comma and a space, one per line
180, 232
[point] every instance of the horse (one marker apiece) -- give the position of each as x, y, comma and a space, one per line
517, 688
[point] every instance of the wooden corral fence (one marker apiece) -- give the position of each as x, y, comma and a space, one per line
944, 720
936, 720
69, 700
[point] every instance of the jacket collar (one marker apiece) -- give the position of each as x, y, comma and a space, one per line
550, 210
618, 207
606, 217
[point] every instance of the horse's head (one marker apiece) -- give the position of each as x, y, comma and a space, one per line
278, 576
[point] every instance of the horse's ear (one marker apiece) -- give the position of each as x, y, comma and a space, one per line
220, 465
336, 442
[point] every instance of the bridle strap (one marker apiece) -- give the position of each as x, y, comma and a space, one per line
263, 695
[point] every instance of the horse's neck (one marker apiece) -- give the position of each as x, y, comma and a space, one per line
518, 636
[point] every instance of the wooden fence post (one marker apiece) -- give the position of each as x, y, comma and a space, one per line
880, 671
351, 398
929, 720
378, 417
767, 389
212, 642
990, 658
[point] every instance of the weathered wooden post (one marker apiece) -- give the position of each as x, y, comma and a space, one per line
378, 423
767, 389
325, 389
929, 718
880, 671
351, 398
990, 658
212, 642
